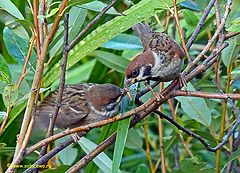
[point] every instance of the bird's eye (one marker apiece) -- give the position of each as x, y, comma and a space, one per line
135, 73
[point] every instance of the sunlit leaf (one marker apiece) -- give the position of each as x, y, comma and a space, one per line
10, 95
11, 8
5, 74
102, 160
235, 25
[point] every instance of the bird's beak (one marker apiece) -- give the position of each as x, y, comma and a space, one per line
129, 82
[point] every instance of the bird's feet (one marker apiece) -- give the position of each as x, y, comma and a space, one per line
182, 81
75, 137
158, 96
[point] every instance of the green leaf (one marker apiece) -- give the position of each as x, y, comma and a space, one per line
10, 95
194, 107
5, 74
235, 25
122, 133
77, 17
68, 155
134, 140
16, 41
17, 109
142, 168
144, 9
234, 155
11, 8
192, 165
123, 42
230, 53
111, 60
102, 160
77, 75
190, 17
98, 6
6, 17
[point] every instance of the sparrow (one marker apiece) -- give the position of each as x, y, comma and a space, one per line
161, 59
82, 104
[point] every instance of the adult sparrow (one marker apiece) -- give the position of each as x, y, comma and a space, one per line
81, 104
161, 60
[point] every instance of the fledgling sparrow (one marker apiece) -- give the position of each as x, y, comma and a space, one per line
161, 60
81, 104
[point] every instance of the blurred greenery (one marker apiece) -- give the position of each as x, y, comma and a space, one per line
101, 56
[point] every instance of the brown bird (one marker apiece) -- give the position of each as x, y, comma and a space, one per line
81, 104
161, 60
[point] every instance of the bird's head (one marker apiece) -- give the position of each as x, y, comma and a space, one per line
106, 98
140, 68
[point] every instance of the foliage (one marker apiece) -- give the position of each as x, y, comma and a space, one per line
101, 56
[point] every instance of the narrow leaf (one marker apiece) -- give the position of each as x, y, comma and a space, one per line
102, 160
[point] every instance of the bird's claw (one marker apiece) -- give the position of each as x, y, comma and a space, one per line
182, 81
75, 137
158, 96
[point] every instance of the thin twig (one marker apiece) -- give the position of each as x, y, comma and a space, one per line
161, 134
148, 153
231, 34
35, 16
205, 95
200, 24
180, 32
61, 86
41, 22
23, 74
90, 24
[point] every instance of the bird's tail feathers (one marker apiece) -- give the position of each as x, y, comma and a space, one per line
144, 33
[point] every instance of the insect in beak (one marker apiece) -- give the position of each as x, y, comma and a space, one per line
127, 92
